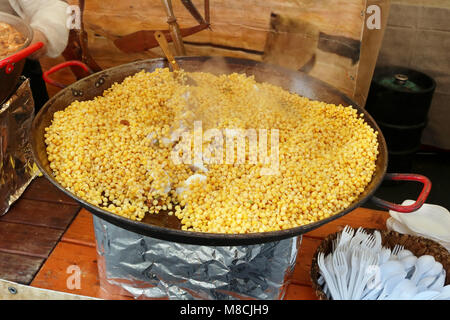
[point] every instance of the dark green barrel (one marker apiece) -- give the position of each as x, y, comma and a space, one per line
399, 100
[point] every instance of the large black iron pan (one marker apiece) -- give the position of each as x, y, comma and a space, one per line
168, 228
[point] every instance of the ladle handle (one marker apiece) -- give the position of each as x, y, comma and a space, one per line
161, 38
406, 177
174, 28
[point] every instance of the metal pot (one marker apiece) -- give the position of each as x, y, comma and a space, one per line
11, 67
168, 227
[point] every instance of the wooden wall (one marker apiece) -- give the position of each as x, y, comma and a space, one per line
326, 33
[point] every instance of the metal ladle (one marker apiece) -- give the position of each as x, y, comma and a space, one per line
162, 41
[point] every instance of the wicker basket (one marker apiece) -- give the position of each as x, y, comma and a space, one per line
417, 245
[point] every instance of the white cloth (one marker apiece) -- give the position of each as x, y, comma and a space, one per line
47, 16
430, 221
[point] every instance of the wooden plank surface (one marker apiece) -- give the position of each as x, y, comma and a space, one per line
39, 213
367, 218
43, 190
28, 240
303, 263
81, 230
296, 292
31, 229
19, 268
55, 272
77, 247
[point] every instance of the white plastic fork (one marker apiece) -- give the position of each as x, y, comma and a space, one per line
369, 243
343, 238
340, 269
336, 242
366, 272
346, 235
359, 236
396, 250
378, 240
384, 255
327, 276
323, 284
355, 262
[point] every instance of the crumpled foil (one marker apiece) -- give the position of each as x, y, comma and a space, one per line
17, 168
147, 268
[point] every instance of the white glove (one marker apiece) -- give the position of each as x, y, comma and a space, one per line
49, 17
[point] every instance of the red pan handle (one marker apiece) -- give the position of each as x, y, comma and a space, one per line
406, 177
9, 62
60, 66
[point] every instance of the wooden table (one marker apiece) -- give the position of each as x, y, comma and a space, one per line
32, 227
45, 233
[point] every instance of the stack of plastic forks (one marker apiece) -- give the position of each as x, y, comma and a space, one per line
351, 264
359, 268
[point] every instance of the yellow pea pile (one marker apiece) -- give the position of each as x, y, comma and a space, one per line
115, 152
